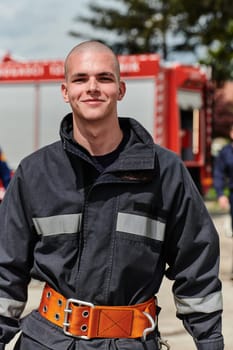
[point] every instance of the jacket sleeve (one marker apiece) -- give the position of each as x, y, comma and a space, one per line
219, 173
193, 262
16, 251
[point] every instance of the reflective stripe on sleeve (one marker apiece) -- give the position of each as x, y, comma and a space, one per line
208, 304
11, 308
141, 226
59, 224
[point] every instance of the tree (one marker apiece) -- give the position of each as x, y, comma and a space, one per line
209, 26
168, 27
139, 25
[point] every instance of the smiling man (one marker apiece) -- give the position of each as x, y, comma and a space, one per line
92, 88
101, 216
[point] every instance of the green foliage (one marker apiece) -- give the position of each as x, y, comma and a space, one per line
203, 28
140, 26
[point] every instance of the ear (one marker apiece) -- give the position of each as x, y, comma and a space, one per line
122, 90
64, 92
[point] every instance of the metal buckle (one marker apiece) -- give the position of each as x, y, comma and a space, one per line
68, 311
149, 329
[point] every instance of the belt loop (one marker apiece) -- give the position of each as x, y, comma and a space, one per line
149, 329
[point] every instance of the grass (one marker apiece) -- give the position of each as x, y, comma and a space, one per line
211, 202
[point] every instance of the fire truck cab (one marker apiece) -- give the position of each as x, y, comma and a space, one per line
174, 103
190, 101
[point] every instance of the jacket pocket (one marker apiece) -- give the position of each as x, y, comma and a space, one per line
38, 333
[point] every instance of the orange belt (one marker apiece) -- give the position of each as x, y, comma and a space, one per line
86, 320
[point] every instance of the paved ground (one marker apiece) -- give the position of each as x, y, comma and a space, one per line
170, 327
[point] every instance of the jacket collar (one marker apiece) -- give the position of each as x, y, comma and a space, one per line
138, 154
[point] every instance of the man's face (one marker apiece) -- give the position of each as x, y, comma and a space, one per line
92, 85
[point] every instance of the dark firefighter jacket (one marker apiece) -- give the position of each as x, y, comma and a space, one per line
109, 242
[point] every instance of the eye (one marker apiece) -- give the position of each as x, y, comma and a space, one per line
106, 78
79, 80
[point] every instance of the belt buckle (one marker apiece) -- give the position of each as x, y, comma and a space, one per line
68, 311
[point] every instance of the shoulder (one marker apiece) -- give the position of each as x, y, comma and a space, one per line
166, 155
225, 151
43, 156
171, 167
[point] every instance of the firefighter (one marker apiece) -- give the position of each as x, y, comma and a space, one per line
101, 216
5, 174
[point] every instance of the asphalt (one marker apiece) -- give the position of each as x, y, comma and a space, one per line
171, 328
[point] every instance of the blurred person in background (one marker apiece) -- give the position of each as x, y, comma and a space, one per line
223, 179
5, 174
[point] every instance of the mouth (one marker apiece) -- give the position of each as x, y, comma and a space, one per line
92, 102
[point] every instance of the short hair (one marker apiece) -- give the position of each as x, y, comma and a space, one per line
95, 46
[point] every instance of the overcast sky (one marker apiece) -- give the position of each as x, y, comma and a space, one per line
34, 30
38, 29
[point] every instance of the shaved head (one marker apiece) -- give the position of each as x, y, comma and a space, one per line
94, 46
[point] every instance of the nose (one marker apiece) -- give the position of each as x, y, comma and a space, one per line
93, 85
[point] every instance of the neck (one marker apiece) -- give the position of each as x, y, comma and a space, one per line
98, 139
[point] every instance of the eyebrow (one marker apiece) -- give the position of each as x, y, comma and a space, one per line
106, 74
77, 75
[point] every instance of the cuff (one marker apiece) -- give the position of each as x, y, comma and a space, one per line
215, 344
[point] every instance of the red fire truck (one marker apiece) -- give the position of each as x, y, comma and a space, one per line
174, 102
